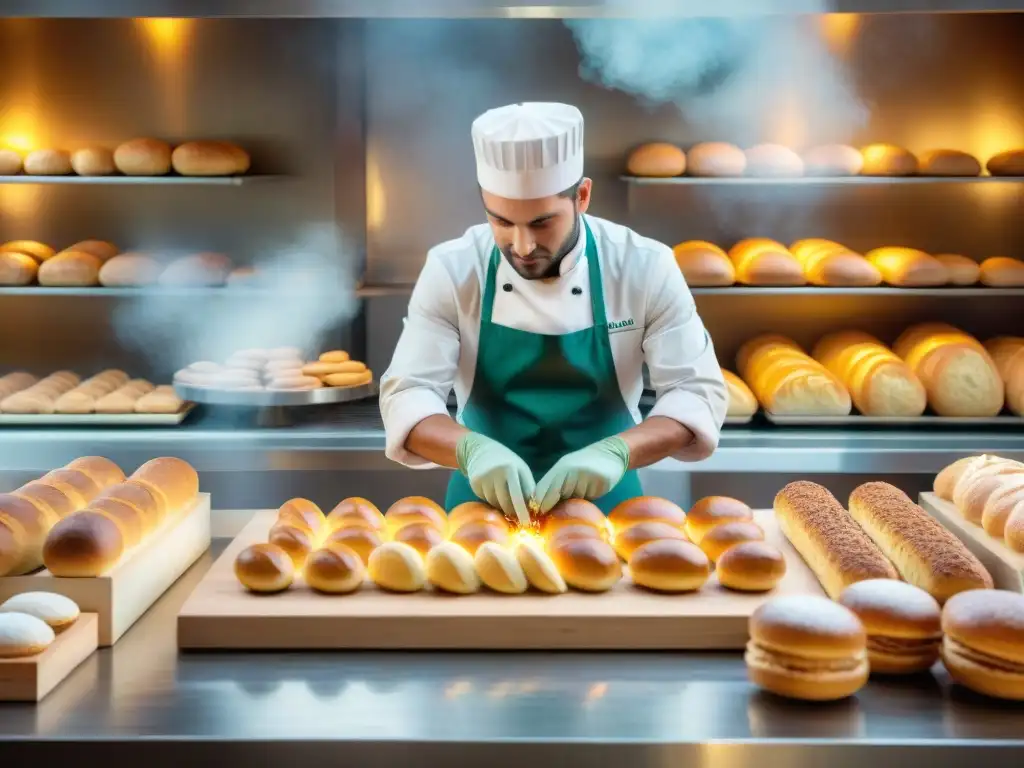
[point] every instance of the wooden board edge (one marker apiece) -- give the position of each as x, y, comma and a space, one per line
39, 675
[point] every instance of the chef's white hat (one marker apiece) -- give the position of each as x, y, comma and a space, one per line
527, 151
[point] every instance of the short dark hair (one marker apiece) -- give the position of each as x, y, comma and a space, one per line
572, 191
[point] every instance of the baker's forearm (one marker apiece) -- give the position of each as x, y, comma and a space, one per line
654, 439
435, 439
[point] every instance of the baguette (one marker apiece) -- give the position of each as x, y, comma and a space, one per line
828, 263
787, 381
827, 538
760, 261
926, 554
908, 267
1007, 353
704, 264
742, 402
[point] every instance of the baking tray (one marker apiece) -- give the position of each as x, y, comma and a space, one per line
96, 419
276, 398
853, 420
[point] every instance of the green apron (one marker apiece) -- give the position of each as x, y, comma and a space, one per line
544, 396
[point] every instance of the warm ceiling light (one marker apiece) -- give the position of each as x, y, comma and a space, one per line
839, 30
166, 35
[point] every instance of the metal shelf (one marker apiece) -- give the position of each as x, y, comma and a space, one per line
128, 293
951, 292
150, 181
812, 181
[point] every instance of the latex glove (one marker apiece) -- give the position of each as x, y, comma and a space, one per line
585, 474
496, 474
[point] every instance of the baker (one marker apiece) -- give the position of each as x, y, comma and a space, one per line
542, 320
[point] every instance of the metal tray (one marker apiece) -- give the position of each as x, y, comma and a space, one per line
96, 419
738, 420
1006, 420
276, 398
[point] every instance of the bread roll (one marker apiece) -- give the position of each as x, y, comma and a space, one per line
324, 369
130, 270
656, 160
572, 512
577, 531
48, 162
17, 268
722, 537
959, 376
362, 540
499, 569
1003, 502
948, 162
830, 264
100, 469
23, 635
13, 541
474, 512
334, 356
172, 479
751, 566
201, 270
832, 544
961, 270
85, 544
34, 520
70, 269
420, 536
15, 381
742, 403
10, 162
119, 401
415, 509
264, 568
977, 484
450, 568
773, 161
126, 516
879, 382
297, 541
630, 539
1002, 272
925, 554
59, 612
712, 511
715, 158
334, 570
1007, 353
760, 261
832, 160
908, 267
1008, 163
646, 509
304, 514
1013, 533
947, 479
143, 157
539, 568
397, 567
787, 381
151, 505
669, 565
590, 565
348, 379
38, 251
28, 401
160, 400
887, 160
704, 264
470, 536
93, 161
74, 482
53, 499
984, 638
209, 158
355, 510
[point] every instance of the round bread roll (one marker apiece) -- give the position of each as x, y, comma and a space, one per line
415, 509
628, 540
539, 568
70, 269
888, 160
361, 540
715, 158
47, 162
578, 531
103, 471
1008, 163
471, 535
17, 268
773, 161
297, 542
450, 568
101, 249
397, 567
85, 544
948, 162
335, 570
38, 251
139, 496
23, 635
1002, 272
325, 369
720, 538
704, 264
658, 159
832, 160
499, 569
590, 565
93, 161
475, 512
133, 525
945, 482
714, 510
143, 157
59, 612
173, 479
264, 568
199, 270
209, 158
829, 263
983, 648
334, 356
573, 512
355, 510
645, 509
10, 162
807, 647
74, 481
59, 503
30, 523
130, 270
751, 566
962, 270
348, 379
13, 541
420, 536
669, 565
303, 513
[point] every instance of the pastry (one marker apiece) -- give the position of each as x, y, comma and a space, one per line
397, 567
983, 647
450, 568
23, 635
499, 569
751, 566
669, 565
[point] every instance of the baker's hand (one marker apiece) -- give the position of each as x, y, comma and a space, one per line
585, 474
496, 474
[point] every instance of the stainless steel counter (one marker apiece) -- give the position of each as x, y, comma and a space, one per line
142, 700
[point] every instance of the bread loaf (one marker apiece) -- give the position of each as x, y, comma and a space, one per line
656, 160
716, 158
161, 400
172, 479
38, 251
10, 162
925, 554
760, 261
70, 268
832, 160
198, 270
1007, 353
130, 270
88, 543
1008, 163
101, 249
908, 267
209, 158
786, 381
1002, 503
879, 382
828, 263
48, 162
947, 479
20, 268
773, 161
959, 375
1002, 272
143, 157
33, 521
888, 160
948, 162
962, 270
15, 382
742, 402
704, 264
93, 161
979, 481
834, 547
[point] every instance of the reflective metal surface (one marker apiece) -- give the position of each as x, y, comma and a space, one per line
144, 699
275, 398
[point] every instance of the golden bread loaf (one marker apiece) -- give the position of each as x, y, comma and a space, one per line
760, 261
73, 482
93, 161
704, 264
69, 269
173, 479
742, 402
888, 160
304, 514
879, 382
669, 565
1002, 272
140, 497
1008, 355
17, 268
908, 267
143, 157
959, 376
834, 546
832, 160
52, 498
962, 270
209, 158
1008, 163
87, 543
590, 565
712, 511
773, 161
948, 162
334, 570
751, 566
128, 518
716, 158
923, 551
12, 545
47, 162
10, 162
657, 159
397, 567
38, 251
828, 263
102, 470
33, 520
787, 381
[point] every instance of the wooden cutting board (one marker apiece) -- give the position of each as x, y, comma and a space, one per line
30, 678
220, 613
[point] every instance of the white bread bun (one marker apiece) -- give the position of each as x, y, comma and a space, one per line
590, 565
397, 567
17, 268
742, 402
59, 612
539, 568
962, 270
93, 161
143, 157
450, 568
657, 159
715, 158
832, 160
209, 158
948, 162
760, 261
1008, 163
85, 544
10, 162
773, 161
23, 635
908, 267
48, 162
38, 251
130, 270
70, 268
1002, 272
334, 570
499, 569
704, 264
669, 565
828, 263
197, 270
264, 568
888, 160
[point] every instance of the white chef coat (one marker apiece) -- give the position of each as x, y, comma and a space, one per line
651, 319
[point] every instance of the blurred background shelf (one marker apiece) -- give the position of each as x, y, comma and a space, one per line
817, 181
171, 181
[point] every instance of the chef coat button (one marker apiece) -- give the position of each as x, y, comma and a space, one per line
577, 291
507, 287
